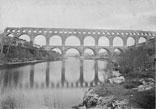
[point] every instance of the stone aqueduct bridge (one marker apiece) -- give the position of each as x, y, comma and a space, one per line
64, 33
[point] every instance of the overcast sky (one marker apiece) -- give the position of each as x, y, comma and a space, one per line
97, 14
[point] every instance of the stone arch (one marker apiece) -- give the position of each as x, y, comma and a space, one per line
118, 41
103, 52
57, 50
25, 37
117, 52
89, 52
130, 41
103, 41
40, 40
72, 52
72, 41
10, 35
142, 40
55, 40
89, 41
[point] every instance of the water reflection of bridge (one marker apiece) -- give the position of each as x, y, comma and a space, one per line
81, 82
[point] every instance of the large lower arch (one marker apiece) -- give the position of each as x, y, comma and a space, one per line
117, 52
72, 52
25, 37
40, 40
103, 41
10, 35
142, 40
117, 41
103, 52
72, 41
55, 40
89, 41
89, 52
130, 41
57, 50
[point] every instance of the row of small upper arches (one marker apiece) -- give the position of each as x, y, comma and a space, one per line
88, 41
80, 32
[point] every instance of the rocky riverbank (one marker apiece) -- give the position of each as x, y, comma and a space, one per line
115, 95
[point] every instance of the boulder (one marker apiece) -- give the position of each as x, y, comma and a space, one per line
106, 96
117, 80
147, 84
116, 73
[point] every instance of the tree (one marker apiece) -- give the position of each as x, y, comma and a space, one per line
2, 38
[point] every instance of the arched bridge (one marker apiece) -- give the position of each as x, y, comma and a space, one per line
108, 40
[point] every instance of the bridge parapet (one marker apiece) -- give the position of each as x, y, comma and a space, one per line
58, 31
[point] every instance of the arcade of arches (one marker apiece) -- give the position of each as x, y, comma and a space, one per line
74, 41
82, 41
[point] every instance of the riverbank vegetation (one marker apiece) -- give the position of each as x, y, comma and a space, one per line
137, 66
22, 54
138, 63
14, 49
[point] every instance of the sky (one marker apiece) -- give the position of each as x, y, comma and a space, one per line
94, 14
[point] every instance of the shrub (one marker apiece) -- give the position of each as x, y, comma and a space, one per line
145, 99
138, 61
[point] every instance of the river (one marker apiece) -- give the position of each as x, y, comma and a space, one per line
48, 85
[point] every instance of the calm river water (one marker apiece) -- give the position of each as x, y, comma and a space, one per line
48, 85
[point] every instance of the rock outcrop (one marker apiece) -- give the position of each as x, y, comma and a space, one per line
105, 96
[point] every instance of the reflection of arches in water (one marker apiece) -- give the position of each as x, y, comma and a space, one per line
72, 70
25, 37
117, 52
89, 41
10, 77
57, 50
89, 52
103, 52
55, 40
55, 70
72, 41
72, 52
89, 70
117, 41
130, 41
40, 73
103, 68
40, 40
141, 40
103, 41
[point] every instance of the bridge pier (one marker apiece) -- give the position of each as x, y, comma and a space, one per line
96, 78
81, 79
32, 76
63, 79
47, 74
